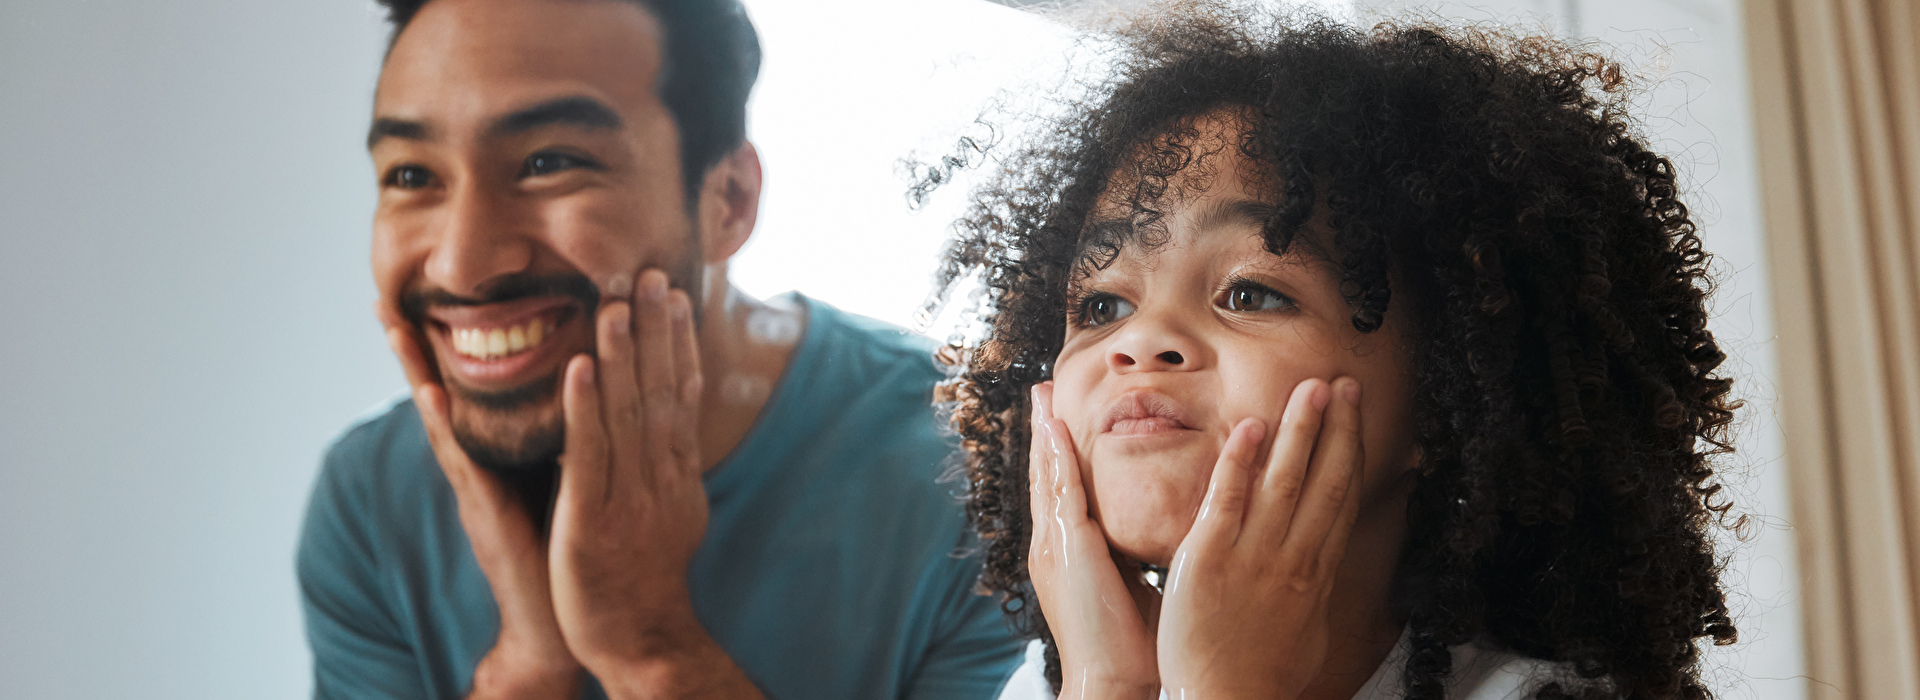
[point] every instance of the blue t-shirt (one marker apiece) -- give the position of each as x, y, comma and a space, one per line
831, 566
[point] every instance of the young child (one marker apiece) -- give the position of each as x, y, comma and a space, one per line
1385, 352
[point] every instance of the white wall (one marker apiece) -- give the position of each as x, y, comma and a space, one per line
185, 299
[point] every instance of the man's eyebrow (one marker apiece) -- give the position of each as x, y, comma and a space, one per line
578, 110
384, 127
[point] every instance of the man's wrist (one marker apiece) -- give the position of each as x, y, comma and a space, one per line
503, 674
682, 661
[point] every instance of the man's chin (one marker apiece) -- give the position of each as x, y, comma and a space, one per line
523, 440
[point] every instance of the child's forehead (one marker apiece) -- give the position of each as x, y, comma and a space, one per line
1234, 226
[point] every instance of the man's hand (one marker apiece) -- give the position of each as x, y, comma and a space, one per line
1246, 614
1105, 650
529, 659
632, 509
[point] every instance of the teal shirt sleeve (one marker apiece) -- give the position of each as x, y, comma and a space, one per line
359, 650
976, 651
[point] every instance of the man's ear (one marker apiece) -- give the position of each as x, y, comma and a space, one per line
729, 203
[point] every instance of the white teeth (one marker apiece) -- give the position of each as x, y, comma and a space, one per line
495, 343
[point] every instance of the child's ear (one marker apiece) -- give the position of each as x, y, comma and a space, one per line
729, 203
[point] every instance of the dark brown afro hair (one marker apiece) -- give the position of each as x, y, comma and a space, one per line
1567, 409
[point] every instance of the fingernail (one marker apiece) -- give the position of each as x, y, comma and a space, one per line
1318, 396
618, 318
619, 286
681, 308
1349, 390
586, 368
1042, 401
655, 286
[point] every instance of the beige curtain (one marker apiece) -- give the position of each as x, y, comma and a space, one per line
1837, 91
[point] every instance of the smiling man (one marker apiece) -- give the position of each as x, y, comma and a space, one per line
617, 475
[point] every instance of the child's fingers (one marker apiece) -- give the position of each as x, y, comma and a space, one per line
1039, 468
1063, 467
1288, 464
1332, 480
1224, 508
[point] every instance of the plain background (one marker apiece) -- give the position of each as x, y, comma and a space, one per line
184, 208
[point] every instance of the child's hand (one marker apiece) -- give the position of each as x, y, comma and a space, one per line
1245, 614
1105, 651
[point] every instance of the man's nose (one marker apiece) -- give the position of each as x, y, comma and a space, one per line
1156, 343
481, 239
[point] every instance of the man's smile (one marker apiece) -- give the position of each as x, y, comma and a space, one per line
505, 345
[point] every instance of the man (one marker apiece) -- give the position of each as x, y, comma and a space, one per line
617, 474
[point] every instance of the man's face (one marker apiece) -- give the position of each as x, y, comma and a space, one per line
524, 161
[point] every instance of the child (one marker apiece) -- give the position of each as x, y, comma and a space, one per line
1385, 352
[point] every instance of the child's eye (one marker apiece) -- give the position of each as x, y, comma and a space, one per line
1102, 309
1250, 296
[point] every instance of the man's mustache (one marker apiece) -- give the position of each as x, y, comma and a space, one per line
415, 302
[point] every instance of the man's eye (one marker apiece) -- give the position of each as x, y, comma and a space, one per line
549, 163
409, 177
1246, 296
1102, 309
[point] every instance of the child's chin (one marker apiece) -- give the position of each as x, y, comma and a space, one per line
1148, 540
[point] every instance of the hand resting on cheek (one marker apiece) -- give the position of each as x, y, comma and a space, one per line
1245, 612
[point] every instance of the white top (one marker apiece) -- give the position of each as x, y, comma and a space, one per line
1479, 673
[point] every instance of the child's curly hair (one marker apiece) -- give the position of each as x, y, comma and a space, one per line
1565, 398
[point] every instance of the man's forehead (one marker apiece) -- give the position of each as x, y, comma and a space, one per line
477, 59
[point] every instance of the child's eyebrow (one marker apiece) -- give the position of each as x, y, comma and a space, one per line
1303, 247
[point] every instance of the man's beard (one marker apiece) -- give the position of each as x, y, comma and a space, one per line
492, 426
526, 458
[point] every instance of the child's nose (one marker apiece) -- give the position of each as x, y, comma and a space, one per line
1147, 347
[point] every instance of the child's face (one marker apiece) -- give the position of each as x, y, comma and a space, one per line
1171, 345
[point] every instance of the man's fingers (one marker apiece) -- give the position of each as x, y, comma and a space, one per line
493, 519
621, 411
1331, 479
431, 401
585, 460
686, 359
1225, 506
1288, 463
654, 365
406, 345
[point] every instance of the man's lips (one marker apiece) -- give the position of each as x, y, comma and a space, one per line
1143, 413
501, 343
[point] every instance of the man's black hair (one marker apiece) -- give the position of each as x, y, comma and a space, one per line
712, 56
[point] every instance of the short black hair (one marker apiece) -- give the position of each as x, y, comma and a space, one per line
712, 57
